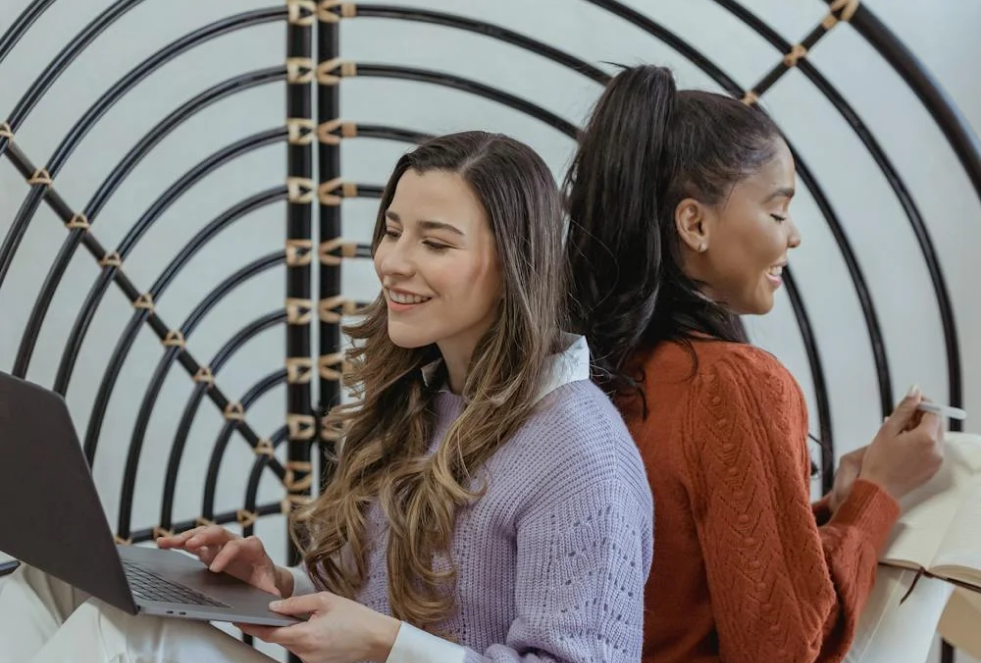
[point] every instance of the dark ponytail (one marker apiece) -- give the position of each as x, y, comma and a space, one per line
646, 147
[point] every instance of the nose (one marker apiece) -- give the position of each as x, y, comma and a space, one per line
793, 238
393, 259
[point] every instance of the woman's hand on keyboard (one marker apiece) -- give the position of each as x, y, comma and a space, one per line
246, 559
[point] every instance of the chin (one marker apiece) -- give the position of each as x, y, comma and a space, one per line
408, 338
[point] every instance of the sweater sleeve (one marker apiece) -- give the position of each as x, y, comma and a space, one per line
782, 588
582, 561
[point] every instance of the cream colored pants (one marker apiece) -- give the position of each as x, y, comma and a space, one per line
890, 632
43, 620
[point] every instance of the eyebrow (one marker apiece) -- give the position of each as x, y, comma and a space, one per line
427, 225
786, 192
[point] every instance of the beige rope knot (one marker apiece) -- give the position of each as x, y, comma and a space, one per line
326, 364
750, 98
301, 12
326, 308
41, 177
847, 8
326, 131
174, 339
293, 501
160, 531
326, 71
201, 521
326, 14
299, 370
79, 222
246, 518
120, 541
299, 252
796, 53
299, 190
293, 484
264, 448
299, 311
6, 131
234, 412
204, 375
326, 251
144, 301
299, 130
301, 426
326, 195
111, 259
299, 71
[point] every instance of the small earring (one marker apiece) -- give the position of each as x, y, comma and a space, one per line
701, 247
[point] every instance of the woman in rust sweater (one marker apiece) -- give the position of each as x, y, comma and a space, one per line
679, 209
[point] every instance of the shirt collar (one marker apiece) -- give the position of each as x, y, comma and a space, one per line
571, 364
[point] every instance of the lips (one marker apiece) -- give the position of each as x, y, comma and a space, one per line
406, 297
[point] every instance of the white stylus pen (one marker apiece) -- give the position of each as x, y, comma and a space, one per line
942, 410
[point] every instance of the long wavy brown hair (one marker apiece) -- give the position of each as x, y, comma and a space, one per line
385, 456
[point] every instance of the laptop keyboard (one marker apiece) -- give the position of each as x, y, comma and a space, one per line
149, 586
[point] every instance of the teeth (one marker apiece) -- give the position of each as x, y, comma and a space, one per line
776, 270
401, 298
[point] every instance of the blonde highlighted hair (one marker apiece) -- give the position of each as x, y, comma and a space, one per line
385, 456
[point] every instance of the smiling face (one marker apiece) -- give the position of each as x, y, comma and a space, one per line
738, 248
438, 266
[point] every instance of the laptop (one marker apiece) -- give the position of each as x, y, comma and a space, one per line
51, 518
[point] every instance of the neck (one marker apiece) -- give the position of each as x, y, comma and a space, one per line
457, 361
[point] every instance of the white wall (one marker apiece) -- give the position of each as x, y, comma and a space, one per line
939, 33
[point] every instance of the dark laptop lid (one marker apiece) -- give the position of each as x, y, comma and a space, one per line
50, 514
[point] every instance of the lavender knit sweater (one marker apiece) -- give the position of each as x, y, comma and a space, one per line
552, 560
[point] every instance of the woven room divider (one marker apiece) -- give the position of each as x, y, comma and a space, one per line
313, 131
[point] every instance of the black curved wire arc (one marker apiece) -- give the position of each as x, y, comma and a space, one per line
226, 352
64, 58
817, 375
727, 83
163, 368
224, 518
26, 213
485, 29
94, 298
148, 66
255, 392
872, 326
129, 335
19, 28
252, 487
895, 182
252, 269
677, 44
383, 132
962, 139
127, 339
474, 87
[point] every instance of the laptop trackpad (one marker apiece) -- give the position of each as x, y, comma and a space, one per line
230, 598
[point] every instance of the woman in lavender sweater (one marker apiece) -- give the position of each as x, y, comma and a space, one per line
489, 504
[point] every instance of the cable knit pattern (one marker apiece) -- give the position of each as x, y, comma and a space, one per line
552, 560
744, 573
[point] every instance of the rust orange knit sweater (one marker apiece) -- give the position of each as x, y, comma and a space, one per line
746, 569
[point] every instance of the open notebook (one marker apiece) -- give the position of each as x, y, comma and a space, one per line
929, 578
939, 531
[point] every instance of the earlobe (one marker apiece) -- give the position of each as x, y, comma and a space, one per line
689, 217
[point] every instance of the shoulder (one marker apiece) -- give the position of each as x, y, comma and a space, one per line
736, 361
742, 397
578, 438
